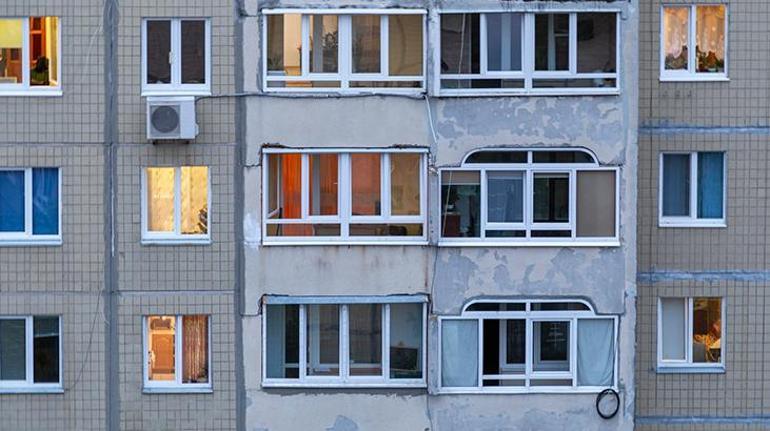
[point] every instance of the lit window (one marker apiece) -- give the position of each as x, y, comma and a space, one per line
30, 354
176, 56
344, 197
692, 189
29, 205
519, 197
176, 204
366, 343
530, 53
690, 333
527, 347
177, 353
702, 27
29, 54
348, 52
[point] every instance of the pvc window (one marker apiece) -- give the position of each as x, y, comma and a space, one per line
693, 42
175, 205
692, 189
514, 197
177, 353
176, 56
30, 206
690, 334
364, 196
29, 56
529, 53
363, 344
524, 347
30, 354
364, 50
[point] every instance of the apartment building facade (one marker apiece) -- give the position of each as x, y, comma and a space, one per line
702, 216
439, 214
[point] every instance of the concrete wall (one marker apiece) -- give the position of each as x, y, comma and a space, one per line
604, 276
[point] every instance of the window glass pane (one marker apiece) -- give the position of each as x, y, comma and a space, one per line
195, 349
323, 184
515, 346
551, 198
284, 42
382, 229
552, 41
672, 331
596, 352
158, 52
160, 199
11, 201
43, 46
324, 44
710, 38
365, 171
676, 30
676, 184
405, 45
282, 341
406, 323
405, 184
559, 306
459, 353
194, 52
303, 229
323, 340
505, 197
45, 201
710, 185
504, 41
46, 349
498, 157
195, 199
561, 157
365, 322
706, 330
461, 203
366, 43
161, 364
286, 182
460, 43
11, 42
552, 346
596, 38
596, 203
13, 351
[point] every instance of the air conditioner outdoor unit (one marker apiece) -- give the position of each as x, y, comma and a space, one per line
171, 118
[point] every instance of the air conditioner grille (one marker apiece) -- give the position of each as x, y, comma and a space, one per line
165, 118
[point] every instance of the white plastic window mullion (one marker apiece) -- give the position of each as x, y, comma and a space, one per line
178, 349
28, 198
175, 57
691, 54
424, 190
345, 49
694, 185
385, 342
483, 202
305, 46
305, 186
385, 46
573, 43
344, 347
302, 343
572, 199
528, 53
688, 325
483, 54
345, 192
573, 350
528, 350
385, 209
480, 356
529, 196
177, 201
29, 350
25, 52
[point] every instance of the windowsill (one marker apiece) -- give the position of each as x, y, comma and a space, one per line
696, 78
176, 241
175, 93
482, 243
177, 390
32, 390
31, 93
693, 224
689, 369
30, 242
269, 243
338, 385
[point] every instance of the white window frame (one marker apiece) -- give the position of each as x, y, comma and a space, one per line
28, 385
528, 72
344, 205
345, 380
176, 386
26, 237
176, 87
687, 365
175, 237
529, 225
692, 220
530, 316
345, 52
24, 88
692, 74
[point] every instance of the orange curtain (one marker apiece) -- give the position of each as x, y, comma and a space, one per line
291, 186
366, 183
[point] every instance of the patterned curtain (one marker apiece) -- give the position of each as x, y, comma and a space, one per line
195, 336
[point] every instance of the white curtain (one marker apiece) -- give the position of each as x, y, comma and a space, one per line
596, 352
459, 353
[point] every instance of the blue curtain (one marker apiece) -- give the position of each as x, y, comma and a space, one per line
45, 201
596, 352
676, 184
11, 201
710, 184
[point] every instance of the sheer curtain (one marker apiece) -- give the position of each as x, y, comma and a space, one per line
459, 353
195, 337
596, 352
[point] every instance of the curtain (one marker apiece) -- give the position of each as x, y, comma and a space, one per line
11, 201
291, 190
365, 170
676, 185
459, 353
12, 349
195, 336
673, 321
710, 183
45, 201
596, 352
